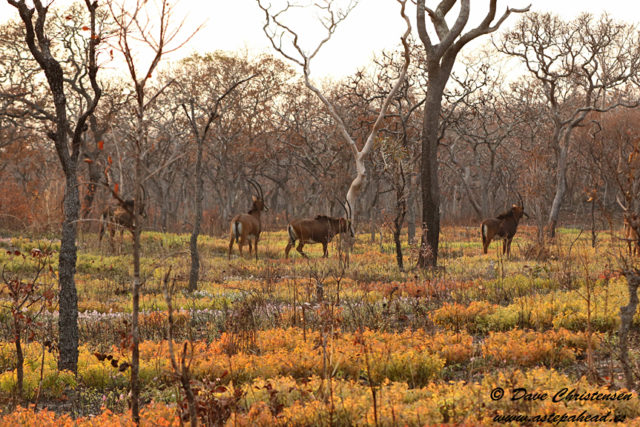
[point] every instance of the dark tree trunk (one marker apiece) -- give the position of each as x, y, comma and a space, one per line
593, 224
397, 231
135, 291
39, 44
411, 211
68, 318
195, 257
626, 318
440, 60
401, 212
430, 186
135, 336
19, 356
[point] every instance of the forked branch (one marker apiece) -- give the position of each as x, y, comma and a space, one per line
303, 59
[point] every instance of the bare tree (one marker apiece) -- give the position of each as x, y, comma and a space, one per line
481, 118
318, 153
302, 58
135, 23
27, 98
39, 44
581, 65
394, 162
206, 86
626, 319
441, 58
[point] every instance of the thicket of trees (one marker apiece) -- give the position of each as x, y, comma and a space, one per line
435, 131
552, 132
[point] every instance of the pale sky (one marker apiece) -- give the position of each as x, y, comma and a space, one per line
371, 26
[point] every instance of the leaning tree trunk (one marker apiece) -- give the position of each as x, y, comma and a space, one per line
561, 189
193, 244
428, 256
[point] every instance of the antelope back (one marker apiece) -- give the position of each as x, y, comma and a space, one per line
122, 217
250, 224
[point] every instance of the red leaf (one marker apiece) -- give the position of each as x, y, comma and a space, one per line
85, 28
101, 145
116, 187
68, 17
109, 159
88, 160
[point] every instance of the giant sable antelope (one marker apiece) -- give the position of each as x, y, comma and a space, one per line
503, 226
119, 217
247, 226
320, 229
631, 229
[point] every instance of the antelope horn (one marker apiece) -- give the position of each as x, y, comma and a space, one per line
350, 217
343, 206
143, 203
621, 205
144, 194
255, 186
260, 188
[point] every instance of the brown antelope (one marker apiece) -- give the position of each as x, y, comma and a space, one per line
119, 217
631, 229
320, 229
247, 226
503, 226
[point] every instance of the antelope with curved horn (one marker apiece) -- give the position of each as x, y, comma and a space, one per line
631, 229
320, 229
504, 226
119, 217
245, 227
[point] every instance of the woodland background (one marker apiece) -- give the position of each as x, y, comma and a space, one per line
501, 137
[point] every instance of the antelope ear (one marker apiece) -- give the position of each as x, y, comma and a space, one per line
514, 206
254, 198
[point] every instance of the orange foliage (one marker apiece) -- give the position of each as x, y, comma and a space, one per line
156, 414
